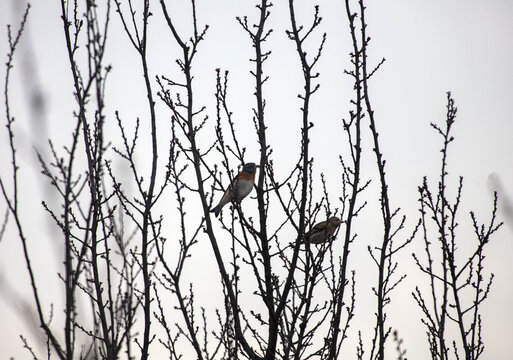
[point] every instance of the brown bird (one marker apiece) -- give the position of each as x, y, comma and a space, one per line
323, 231
240, 187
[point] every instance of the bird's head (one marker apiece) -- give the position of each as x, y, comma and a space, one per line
249, 168
334, 221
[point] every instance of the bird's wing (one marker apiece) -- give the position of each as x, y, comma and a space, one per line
318, 228
234, 184
229, 192
331, 228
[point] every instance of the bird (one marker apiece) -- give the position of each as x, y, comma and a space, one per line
323, 231
240, 187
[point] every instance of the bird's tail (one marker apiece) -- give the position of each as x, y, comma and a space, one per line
216, 210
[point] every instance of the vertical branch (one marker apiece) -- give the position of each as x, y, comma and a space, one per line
258, 38
384, 200
96, 230
312, 268
439, 208
360, 61
351, 176
80, 95
139, 39
94, 147
384, 258
149, 201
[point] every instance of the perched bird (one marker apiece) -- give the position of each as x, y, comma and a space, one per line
323, 231
240, 187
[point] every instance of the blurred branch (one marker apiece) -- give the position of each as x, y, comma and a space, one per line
12, 199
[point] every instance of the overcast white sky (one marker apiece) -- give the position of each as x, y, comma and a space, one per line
430, 47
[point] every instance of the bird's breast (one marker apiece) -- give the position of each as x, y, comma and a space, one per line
244, 187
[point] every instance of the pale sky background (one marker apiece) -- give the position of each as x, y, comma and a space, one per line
430, 46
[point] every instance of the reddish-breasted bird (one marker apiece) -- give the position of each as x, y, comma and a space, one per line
323, 231
240, 187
